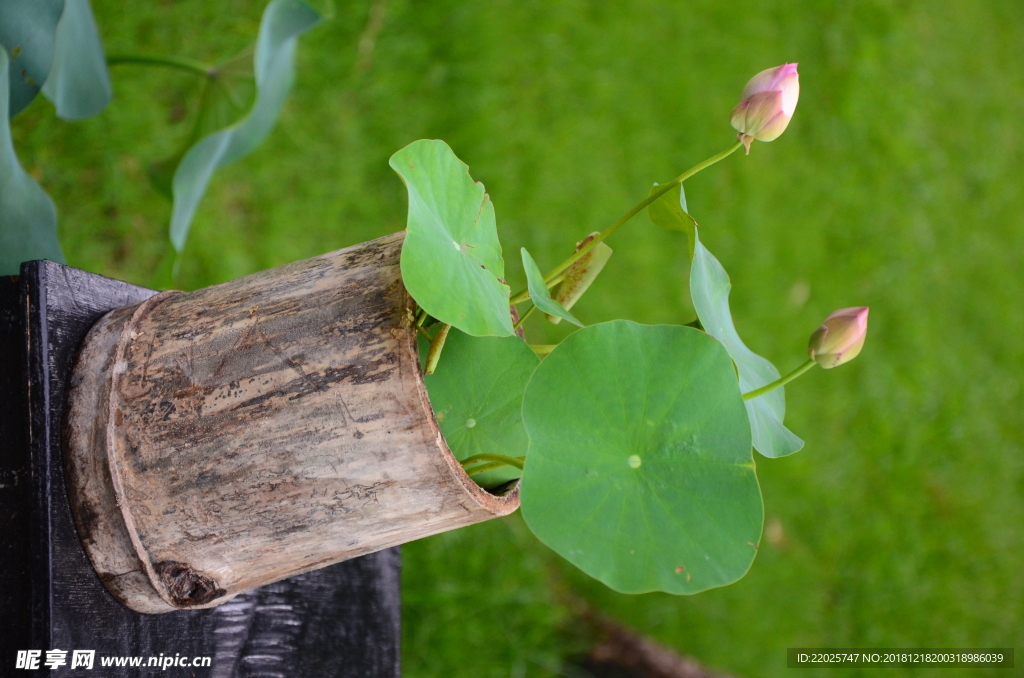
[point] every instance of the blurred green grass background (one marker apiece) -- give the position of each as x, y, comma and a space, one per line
898, 186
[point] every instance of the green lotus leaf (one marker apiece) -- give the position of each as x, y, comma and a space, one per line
451, 258
477, 396
639, 470
539, 291
709, 289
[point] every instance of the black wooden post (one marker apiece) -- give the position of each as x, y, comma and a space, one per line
342, 620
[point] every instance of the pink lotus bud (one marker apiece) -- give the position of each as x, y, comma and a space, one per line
767, 104
840, 337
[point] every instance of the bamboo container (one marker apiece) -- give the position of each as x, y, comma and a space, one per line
223, 439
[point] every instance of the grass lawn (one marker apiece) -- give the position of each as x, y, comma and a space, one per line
898, 185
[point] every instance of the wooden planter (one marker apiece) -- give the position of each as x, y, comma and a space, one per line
230, 437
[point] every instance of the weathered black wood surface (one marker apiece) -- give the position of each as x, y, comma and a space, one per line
338, 621
14, 476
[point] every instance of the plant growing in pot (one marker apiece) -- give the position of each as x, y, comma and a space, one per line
631, 443
225, 438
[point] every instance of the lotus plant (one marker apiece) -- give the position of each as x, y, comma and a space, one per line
631, 444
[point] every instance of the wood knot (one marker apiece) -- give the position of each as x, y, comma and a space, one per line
185, 586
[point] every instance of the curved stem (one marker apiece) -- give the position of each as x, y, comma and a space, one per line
181, 63
662, 190
750, 395
487, 456
482, 468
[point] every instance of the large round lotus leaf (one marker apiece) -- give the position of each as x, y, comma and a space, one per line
451, 258
639, 469
477, 396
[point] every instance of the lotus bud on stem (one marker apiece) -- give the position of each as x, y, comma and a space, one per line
839, 340
766, 105
765, 109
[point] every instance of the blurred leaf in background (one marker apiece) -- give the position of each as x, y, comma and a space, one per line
78, 84
52, 46
28, 218
274, 70
57, 43
227, 92
28, 32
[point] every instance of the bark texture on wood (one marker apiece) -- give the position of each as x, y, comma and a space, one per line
226, 438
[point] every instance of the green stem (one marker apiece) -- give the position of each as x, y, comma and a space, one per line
485, 467
662, 190
181, 63
781, 382
488, 456
523, 318
543, 349
175, 268
436, 346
